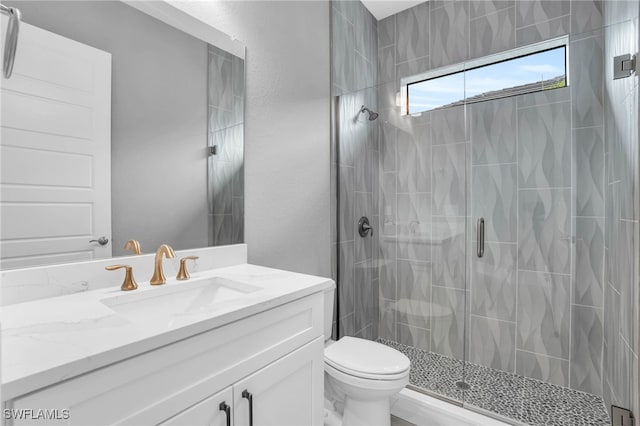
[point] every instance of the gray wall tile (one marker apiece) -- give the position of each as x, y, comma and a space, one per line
544, 233
586, 349
531, 12
387, 31
589, 274
342, 58
387, 326
547, 369
586, 15
492, 343
413, 336
587, 73
589, 160
492, 33
448, 237
346, 277
449, 40
414, 293
386, 64
493, 282
412, 67
494, 197
414, 212
542, 30
347, 206
493, 131
413, 152
449, 179
388, 268
447, 322
544, 151
364, 207
482, 8
412, 33
449, 125
544, 313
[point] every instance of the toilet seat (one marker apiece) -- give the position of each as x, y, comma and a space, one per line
366, 359
371, 385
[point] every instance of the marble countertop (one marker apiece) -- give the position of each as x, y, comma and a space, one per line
50, 340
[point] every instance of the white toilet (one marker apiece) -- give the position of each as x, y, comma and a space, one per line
367, 374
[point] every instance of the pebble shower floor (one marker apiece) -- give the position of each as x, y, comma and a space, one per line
517, 397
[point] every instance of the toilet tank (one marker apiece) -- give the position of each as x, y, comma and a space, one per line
329, 302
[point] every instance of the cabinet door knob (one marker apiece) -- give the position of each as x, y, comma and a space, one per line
227, 410
249, 396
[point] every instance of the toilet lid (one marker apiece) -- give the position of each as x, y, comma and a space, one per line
354, 355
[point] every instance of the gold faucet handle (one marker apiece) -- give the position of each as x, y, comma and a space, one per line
183, 274
134, 246
129, 282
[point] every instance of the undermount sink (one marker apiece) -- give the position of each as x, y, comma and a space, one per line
179, 299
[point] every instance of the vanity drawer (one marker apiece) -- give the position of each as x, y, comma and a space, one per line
156, 385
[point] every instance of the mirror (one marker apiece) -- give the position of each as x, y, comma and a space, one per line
117, 125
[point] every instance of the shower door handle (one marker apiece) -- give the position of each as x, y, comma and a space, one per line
480, 237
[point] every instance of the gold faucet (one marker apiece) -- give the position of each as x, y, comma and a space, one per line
134, 246
129, 282
158, 274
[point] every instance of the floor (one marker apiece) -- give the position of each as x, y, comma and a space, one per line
526, 400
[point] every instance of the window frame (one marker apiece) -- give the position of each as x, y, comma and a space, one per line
462, 67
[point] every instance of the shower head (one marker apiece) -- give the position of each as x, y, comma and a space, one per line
372, 115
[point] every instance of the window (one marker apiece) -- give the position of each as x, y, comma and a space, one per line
533, 68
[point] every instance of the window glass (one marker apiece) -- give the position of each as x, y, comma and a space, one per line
534, 72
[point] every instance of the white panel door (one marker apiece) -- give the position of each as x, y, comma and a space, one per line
55, 150
288, 392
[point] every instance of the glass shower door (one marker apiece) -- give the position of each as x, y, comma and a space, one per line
553, 296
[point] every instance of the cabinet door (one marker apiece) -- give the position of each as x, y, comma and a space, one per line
207, 412
288, 392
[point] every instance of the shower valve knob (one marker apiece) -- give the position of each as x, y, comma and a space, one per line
364, 227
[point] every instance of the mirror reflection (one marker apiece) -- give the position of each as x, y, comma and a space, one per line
117, 126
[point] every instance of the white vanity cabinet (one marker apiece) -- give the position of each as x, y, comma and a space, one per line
283, 393
213, 411
275, 355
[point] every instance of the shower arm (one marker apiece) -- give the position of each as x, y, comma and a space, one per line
11, 41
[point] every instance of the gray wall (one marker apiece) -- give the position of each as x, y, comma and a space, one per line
287, 213
159, 119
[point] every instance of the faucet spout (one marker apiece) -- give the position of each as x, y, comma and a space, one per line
158, 273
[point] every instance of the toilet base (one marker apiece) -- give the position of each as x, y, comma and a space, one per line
366, 413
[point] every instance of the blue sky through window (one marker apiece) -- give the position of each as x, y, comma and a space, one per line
445, 90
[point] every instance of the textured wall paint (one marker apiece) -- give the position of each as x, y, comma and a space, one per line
159, 172
287, 212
